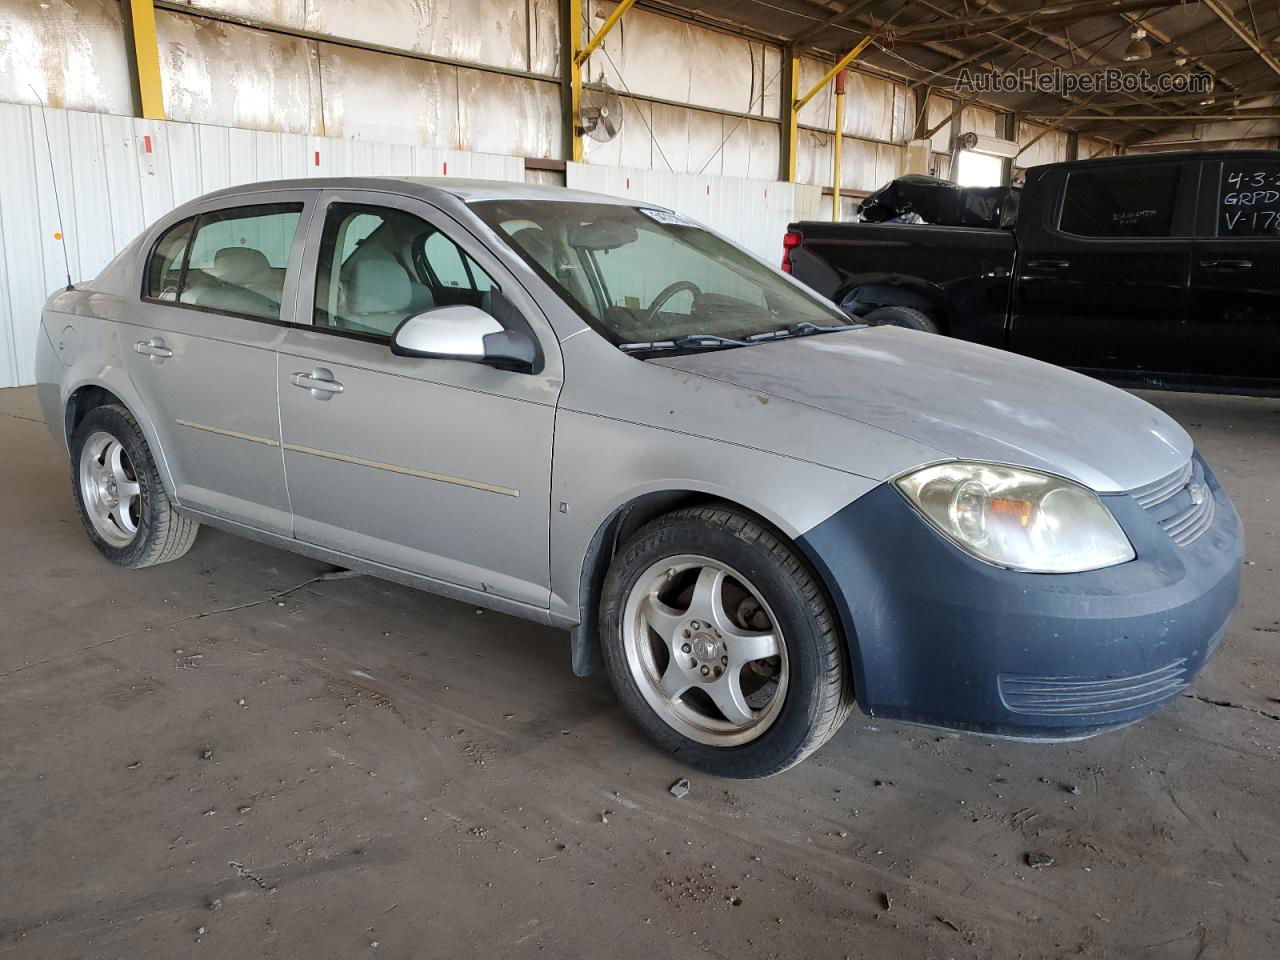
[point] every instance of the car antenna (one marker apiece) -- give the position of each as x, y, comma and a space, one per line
53, 176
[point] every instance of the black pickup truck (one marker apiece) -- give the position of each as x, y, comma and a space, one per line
1159, 270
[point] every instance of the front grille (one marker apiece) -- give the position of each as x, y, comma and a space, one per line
1181, 503
1087, 696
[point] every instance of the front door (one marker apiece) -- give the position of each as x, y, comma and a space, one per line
1102, 274
200, 348
434, 466
1235, 278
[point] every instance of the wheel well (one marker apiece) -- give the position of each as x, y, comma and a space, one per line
626, 520
81, 402
861, 299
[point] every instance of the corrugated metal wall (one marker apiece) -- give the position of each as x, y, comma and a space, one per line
111, 187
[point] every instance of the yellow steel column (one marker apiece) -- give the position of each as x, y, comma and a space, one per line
574, 66
793, 119
578, 55
146, 58
835, 149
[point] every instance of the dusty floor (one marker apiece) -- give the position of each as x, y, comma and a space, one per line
228, 757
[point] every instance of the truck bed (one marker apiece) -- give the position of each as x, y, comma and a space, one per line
963, 271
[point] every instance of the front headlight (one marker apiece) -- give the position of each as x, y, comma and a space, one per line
1018, 518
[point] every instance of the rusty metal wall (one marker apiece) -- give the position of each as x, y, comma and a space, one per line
654, 56
232, 75
67, 53
1050, 148
495, 33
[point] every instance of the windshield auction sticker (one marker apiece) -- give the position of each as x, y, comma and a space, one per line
667, 217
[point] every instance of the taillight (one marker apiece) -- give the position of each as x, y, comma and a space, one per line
790, 240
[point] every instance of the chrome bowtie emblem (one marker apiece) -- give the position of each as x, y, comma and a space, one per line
1199, 493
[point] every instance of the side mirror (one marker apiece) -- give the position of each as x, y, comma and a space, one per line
463, 332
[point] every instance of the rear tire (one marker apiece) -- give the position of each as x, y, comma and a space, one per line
745, 685
908, 317
122, 502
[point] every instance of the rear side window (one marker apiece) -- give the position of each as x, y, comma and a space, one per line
1249, 199
230, 261
1120, 203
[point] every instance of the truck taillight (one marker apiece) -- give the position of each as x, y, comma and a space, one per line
790, 240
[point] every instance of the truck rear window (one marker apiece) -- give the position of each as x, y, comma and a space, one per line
1249, 199
1120, 203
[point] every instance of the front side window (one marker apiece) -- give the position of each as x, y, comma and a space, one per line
229, 261
1121, 202
1249, 199
379, 265
645, 275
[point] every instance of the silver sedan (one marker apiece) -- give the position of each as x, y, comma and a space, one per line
596, 414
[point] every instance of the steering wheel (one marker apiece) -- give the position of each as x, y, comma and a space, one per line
666, 293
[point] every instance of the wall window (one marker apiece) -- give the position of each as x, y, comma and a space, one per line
1121, 202
379, 265
1249, 199
232, 261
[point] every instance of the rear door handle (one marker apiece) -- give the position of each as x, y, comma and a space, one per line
1048, 264
1227, 264
319, 381
153, 348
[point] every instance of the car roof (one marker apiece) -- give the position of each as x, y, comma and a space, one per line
1165, 155
429, 188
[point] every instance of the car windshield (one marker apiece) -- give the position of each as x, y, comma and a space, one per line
645, 277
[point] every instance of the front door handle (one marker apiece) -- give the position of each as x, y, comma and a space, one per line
153, 348
1048, 264
1227, 264
319, 381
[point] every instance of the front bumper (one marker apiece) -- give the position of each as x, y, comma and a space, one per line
939, 637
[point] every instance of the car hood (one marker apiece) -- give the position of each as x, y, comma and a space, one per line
967, 401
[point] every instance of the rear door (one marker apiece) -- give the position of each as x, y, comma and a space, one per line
1235, 274
435, 466
200, 346
1103, 265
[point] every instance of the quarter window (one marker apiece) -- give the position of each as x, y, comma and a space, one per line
1249, 199
1119, 203
379, 265
229, 261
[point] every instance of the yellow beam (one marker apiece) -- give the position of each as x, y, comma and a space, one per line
146, 55
843, 62
835, 152
580, 57
574, 13
793, 120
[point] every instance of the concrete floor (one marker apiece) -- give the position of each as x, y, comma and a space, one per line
227, 757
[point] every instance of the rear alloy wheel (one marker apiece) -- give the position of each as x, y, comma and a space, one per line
721, 644
117, 487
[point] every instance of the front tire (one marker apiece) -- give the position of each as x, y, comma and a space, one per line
122, 503
722, 645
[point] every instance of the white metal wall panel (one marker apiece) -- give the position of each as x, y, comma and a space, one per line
112, 184
938, 110
754, 213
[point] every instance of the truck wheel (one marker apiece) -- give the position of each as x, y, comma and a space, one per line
721, 645
908, 317
122, 502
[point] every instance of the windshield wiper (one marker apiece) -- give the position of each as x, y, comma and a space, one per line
802, 329
692, 341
